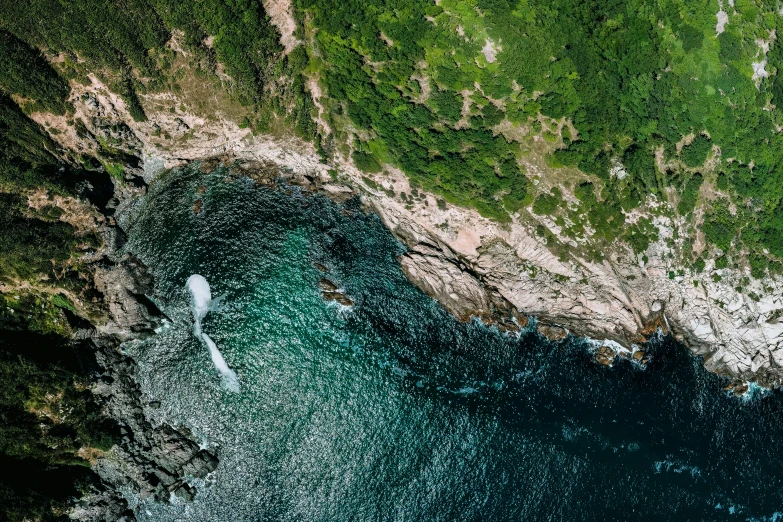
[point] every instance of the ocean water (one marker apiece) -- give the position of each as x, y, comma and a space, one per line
392, 410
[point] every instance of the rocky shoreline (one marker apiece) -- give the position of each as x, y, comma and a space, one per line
473, 266
499, 273
149, 460
503, 273
158, 461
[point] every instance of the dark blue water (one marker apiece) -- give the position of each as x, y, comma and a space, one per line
393, 410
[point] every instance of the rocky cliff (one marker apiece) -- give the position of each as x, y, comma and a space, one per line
472, 265
475, 266
148, 460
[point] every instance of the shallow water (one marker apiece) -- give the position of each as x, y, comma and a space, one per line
392, 410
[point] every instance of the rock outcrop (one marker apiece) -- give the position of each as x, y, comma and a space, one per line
474, 266
150, 460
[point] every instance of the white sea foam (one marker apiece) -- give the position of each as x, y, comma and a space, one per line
616, 347
755, 391
201, 296
201, 303
232, 383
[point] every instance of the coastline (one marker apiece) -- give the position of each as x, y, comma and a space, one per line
157, 460
475, 266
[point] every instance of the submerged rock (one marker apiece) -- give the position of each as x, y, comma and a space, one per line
330, 292
552, 332
605, 356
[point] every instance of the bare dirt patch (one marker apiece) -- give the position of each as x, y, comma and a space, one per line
280, 13
490, 51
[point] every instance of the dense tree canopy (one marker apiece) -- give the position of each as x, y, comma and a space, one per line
635, 78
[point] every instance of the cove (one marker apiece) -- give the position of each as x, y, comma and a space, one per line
393, 410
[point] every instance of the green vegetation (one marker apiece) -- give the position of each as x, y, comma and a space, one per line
695, 154
365, 162
466, 165
690, 194
546, 204
26, 151
115, 170
125, 44
46, 413
26, 73
30, 246
634, 77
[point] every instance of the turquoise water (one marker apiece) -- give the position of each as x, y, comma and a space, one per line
392, 410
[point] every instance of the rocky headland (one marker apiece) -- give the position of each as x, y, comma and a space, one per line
475, 266
147, 460
501, 273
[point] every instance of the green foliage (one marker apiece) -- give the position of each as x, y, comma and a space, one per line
606, 216
730, 47
517, 186
723, 181
690, 194
28, 246
245, 41
447, 104
44, 418
25, 73
633, 77
719, 230
758, 265
61, 301
546, 204
470, 166
115, 170
126, 44
26, 151
692, 38
695, 154
125, 88
366, 162
640, 235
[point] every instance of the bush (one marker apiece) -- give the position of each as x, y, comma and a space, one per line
366, 162
695, 154
690, 194
547, 204
25, 72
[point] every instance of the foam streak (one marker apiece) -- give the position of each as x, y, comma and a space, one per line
201, 303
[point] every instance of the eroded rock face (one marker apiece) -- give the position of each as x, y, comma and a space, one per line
605, 355
126, 286
474, 266
552, 332
151, 460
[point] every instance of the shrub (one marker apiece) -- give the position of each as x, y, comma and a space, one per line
546, 204
366, 162
695, 154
